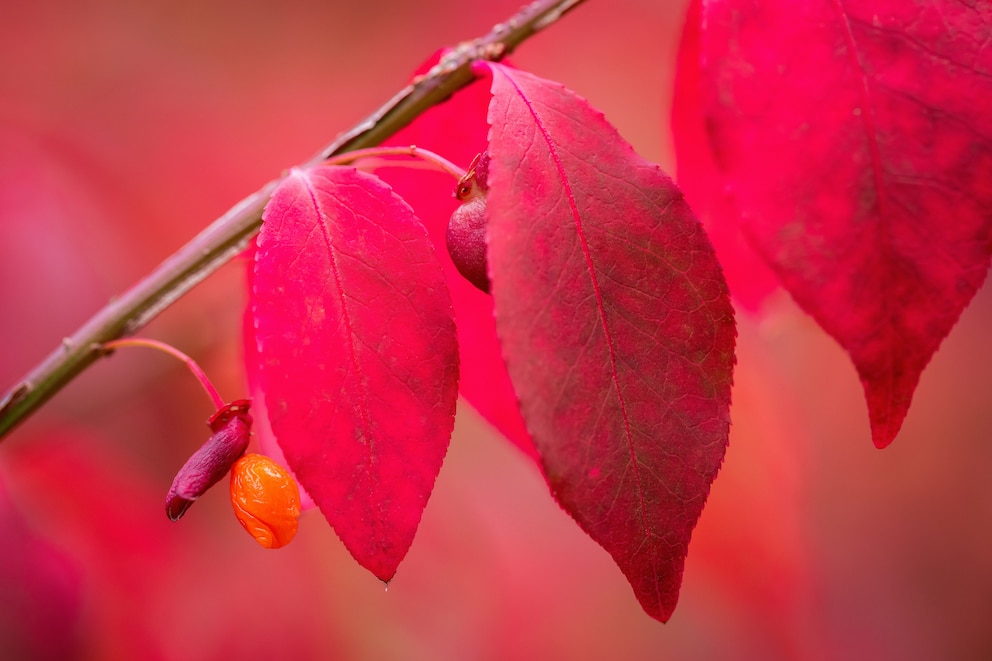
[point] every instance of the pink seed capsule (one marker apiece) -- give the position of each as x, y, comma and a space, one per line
266, 500
231, 426
466, 235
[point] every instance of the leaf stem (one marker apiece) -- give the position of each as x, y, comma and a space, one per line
229, 234
412, 151
176, 353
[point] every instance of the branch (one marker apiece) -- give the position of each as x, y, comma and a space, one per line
229, 235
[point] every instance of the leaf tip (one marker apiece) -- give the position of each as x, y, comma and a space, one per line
887, 409
884, 431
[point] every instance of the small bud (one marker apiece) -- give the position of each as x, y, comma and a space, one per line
266, 500
231, 426
466, 236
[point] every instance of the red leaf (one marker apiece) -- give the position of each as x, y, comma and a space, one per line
457, 129
749, 279
857, 141
615, 324
262, 429
358, 357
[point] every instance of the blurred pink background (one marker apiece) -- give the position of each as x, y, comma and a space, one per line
125, 128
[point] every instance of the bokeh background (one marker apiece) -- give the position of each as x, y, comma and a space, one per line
127, 127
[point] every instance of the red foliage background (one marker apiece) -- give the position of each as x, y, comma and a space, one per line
125, 128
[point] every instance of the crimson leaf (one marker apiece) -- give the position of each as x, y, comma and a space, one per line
358, 358
615, 324
857, 143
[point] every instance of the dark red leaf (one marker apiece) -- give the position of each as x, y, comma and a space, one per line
856, 139
358, 357
458, 131
615, 324
42, 586
91, 499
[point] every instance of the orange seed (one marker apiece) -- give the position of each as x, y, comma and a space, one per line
266, 500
